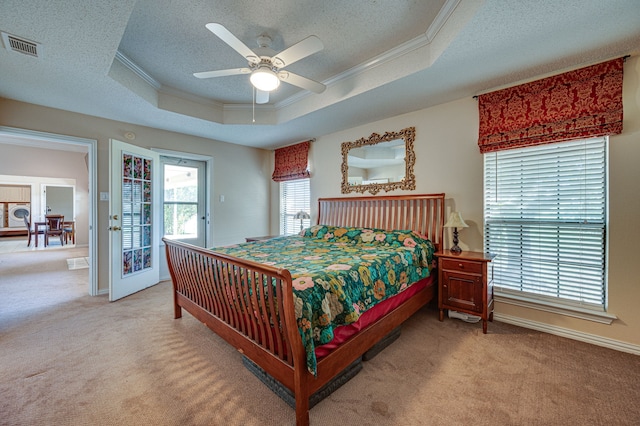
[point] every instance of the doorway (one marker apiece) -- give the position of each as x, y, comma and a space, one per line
59, 200
30, 138
184, 189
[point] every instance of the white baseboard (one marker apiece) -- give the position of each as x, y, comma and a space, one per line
570, 334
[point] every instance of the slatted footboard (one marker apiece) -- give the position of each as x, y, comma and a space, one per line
248, 304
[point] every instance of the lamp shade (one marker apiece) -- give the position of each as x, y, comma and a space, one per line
264, 79
455, 221
302, 215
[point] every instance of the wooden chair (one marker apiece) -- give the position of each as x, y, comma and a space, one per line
69, 232
54, 228
30, 231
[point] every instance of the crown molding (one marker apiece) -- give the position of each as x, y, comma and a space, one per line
443, 16
124, 60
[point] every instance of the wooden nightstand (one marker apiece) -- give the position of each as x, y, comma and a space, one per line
465, 284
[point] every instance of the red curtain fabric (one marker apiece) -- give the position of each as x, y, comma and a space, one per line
577, 104
291, 162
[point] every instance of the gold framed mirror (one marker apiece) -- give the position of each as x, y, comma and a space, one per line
379, 162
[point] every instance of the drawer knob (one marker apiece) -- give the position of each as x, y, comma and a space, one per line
460, 265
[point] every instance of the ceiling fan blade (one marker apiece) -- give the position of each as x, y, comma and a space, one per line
233, 41
221, 73
302, 82
262, 97
302, 49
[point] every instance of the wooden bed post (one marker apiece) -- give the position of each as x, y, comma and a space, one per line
177, 310
301, 376
301, 388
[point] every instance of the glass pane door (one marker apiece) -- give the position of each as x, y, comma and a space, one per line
183, 199
136, 214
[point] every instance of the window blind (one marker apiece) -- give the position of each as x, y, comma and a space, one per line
291, 162
545, 219
295, 195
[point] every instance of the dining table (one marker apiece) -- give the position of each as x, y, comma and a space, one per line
65, 224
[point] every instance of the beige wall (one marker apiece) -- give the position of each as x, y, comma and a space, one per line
446, 157
448, 160
240, 173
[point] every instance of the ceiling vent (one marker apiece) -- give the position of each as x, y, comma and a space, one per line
21, 45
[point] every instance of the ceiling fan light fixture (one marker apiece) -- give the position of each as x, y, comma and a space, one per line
264, 79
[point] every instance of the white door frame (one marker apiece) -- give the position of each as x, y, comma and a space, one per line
164, 271
201, 167
208, 190
92, 147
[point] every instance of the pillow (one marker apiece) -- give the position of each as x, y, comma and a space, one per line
374, 236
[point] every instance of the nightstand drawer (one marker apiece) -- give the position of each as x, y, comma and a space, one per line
462, 266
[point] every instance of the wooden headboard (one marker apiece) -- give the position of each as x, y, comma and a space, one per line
423, 214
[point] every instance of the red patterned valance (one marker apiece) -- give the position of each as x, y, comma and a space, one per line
291, 162
577, 104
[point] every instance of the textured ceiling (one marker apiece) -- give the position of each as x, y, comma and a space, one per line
361, 29
133, 61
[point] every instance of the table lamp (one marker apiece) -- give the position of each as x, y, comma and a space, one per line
302, 215
455, 221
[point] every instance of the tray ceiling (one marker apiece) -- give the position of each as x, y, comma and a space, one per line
133, 61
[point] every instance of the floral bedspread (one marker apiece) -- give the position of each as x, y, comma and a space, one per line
339, 273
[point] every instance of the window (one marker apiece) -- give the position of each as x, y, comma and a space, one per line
294, 197
183, 199
545, 217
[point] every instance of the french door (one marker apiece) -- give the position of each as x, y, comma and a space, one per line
134, 231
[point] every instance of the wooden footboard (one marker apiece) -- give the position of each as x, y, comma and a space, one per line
249, 305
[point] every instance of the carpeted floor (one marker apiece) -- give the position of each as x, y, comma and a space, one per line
70, 359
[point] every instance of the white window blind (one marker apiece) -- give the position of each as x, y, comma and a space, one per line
295, 195
545, 218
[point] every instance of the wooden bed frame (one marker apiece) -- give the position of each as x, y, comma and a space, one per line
221, 291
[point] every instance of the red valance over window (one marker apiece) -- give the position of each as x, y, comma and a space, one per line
291, 162
577, 104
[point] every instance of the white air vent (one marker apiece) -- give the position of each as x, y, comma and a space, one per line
21, 45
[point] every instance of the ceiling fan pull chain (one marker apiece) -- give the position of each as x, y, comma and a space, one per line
253, 105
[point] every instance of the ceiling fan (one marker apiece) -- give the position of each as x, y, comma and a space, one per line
265, 65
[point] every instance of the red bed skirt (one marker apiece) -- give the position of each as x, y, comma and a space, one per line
344, 333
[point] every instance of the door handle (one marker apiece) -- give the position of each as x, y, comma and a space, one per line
114, 228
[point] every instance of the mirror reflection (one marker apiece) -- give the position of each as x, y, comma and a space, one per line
379, 162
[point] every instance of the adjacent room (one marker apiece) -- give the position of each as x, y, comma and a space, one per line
408, 212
